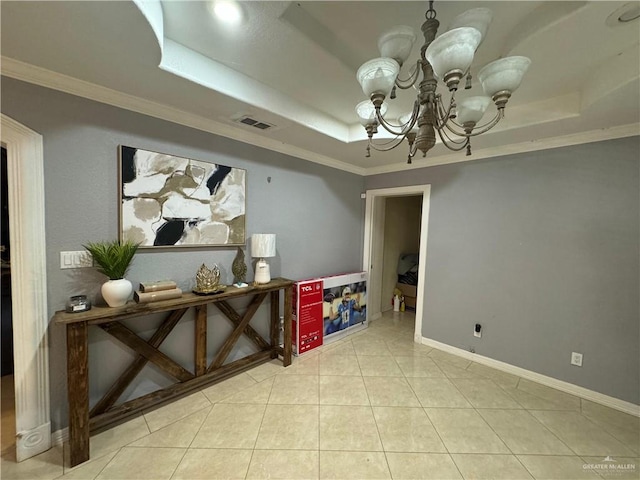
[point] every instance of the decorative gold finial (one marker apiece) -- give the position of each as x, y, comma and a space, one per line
208, 280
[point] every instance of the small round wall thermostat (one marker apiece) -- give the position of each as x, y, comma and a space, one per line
78, 303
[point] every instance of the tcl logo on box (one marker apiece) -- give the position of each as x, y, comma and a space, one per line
308, 320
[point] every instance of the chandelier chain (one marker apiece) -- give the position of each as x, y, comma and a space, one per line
431, 13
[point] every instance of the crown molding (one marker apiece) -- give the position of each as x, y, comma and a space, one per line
46, 78
591, 136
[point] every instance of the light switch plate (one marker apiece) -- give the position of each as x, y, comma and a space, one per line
78, 259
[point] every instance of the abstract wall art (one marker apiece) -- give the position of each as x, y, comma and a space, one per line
170, 201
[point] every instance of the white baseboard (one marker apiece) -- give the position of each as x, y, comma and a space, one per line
593, 396
59, 437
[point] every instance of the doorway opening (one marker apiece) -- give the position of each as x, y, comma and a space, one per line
374, 248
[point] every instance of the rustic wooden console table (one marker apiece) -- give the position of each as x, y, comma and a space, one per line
82, 421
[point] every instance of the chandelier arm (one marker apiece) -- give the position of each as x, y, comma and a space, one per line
481, 129
456, 149
413, 150
489, 125
449, 127
449, 142
389, 128
382, 144
404, 129
442, 116
439, 114
404, 84
384, 147
477, 129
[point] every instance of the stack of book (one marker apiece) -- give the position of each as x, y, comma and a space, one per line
155, 291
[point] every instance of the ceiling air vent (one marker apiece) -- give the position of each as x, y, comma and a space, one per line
247, 120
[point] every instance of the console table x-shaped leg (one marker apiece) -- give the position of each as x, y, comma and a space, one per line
105, 412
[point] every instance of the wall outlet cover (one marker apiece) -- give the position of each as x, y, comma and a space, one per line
576, 359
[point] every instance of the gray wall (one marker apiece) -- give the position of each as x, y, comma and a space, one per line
542, 249
315, 211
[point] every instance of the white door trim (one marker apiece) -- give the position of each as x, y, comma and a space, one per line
25, 178
374, 233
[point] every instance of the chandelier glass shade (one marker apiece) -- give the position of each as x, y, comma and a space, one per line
378, 76
452, 52
397, 43
444, 60
472, 109
504, 74
367, 112
478, 18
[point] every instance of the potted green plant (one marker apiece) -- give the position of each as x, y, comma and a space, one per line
113, 259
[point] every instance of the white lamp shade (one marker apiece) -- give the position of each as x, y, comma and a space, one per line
263, 245
366, 112
453, 50
471, 110
397, 43
478, 18
378, 76
503, 74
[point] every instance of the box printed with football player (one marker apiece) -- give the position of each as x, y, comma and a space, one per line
345, 306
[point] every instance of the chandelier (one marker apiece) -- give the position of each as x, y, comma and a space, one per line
447, 59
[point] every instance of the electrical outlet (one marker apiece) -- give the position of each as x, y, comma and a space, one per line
477, 330
576, 359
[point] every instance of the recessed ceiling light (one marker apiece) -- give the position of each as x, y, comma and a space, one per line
623, 15
228, 11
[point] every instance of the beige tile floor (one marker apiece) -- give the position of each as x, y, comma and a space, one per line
373, 405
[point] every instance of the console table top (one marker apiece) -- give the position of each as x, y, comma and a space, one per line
131, 309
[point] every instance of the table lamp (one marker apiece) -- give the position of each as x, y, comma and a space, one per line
263, 245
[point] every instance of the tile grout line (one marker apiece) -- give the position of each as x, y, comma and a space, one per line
175, 469
423, 408
386, 459
255, 442
603, 430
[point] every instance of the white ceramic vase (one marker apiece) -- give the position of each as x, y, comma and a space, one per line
116, 292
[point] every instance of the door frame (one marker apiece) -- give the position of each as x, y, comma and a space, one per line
374, 242
25, 179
